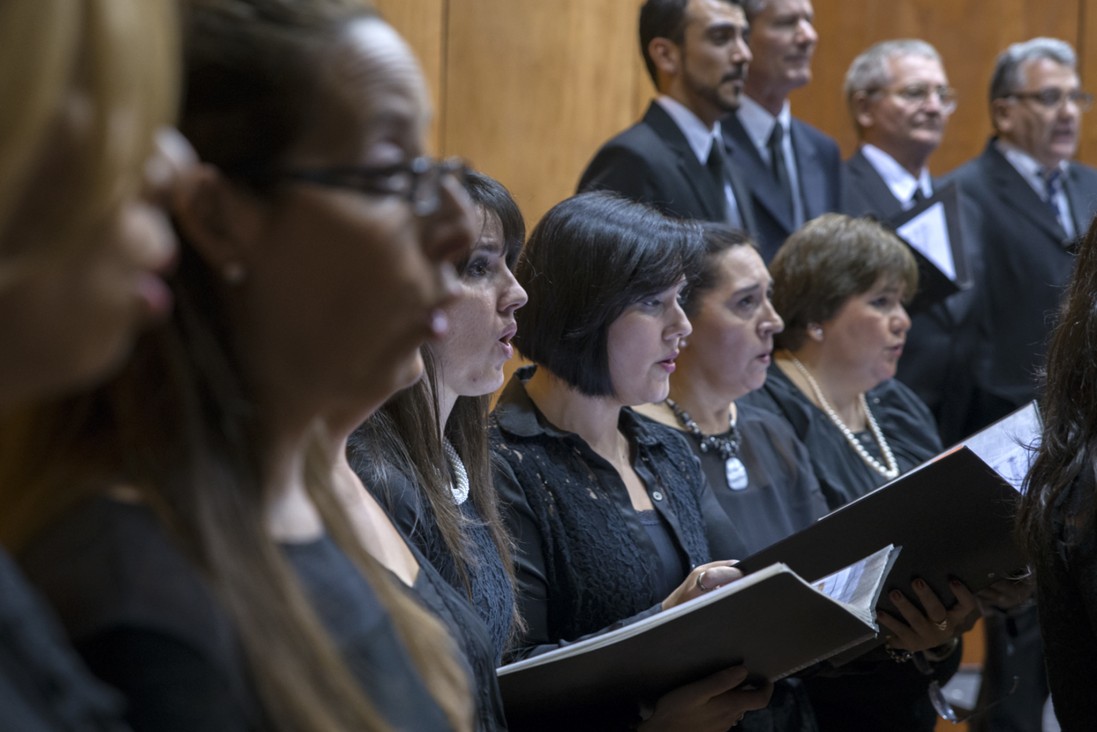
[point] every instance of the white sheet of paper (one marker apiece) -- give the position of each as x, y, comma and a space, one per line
928, 233
1009, 445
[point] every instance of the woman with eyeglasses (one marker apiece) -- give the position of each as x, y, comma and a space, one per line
83, 242
195, 524
611, 514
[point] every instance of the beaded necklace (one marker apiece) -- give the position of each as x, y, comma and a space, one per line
890, 468
725, 445
461, 476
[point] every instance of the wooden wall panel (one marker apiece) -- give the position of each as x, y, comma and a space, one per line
969, 34
534, 87
528, 89
422, 23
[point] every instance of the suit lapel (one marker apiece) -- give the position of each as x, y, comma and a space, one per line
1083, 200
1016, 194
872, 188
763, 187
695, 175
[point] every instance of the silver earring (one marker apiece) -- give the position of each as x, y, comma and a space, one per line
816, 332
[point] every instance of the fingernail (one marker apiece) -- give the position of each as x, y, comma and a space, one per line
920, 584
895, 595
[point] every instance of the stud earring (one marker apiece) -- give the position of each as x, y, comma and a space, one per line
233, 273
816, 332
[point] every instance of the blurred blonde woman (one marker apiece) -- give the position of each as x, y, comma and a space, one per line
185, 524
87, 86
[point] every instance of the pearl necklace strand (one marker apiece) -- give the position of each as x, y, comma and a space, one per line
890, 469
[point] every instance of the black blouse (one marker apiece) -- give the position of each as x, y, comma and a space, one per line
843, 476
584, 560
874, 692
782, 495
149, 624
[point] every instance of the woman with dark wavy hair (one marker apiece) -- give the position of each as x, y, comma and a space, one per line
1057, 523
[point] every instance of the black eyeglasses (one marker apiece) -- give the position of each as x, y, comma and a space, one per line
919, 94
418, 181
1053, 97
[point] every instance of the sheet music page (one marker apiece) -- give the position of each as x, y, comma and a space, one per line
928, 233
1009, 445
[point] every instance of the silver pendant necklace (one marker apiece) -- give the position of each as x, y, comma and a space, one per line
890, 468
460, 486
725, 445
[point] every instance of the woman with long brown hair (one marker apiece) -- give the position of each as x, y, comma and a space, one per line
192, 533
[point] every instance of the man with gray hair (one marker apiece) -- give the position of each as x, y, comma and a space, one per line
1028, 203
900, 102
792, 167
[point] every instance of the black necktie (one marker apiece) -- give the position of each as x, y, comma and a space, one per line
715, 165
778, 166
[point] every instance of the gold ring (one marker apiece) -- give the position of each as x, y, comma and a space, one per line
943, 625
700, 583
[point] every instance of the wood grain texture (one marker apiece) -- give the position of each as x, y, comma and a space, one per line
969, 34
534, 87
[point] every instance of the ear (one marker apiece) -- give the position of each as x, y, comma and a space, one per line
221, 220
1000, 115
666, 56
860, 106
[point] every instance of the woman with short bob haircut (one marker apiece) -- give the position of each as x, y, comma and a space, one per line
611, 513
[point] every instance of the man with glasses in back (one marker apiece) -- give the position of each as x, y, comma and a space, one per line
1028, 204
900, 102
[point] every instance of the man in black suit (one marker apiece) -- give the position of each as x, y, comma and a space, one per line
674, 158
900, 102
792, 167
1029, 203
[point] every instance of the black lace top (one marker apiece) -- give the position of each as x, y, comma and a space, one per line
584, 560
488, 584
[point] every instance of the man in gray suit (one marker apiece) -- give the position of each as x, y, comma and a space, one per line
792, 167
900, 102
674, 158
1028, 203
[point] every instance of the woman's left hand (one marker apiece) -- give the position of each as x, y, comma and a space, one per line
933, 626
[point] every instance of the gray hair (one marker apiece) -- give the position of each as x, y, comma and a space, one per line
1006, 78
870, 70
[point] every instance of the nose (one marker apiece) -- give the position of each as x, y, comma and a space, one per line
447, 233
901, 323
740, 51
680, 327
514, 295
805, 32
771, 320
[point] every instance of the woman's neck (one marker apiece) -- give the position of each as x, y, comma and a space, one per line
592, 418
705, 405
819, 378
